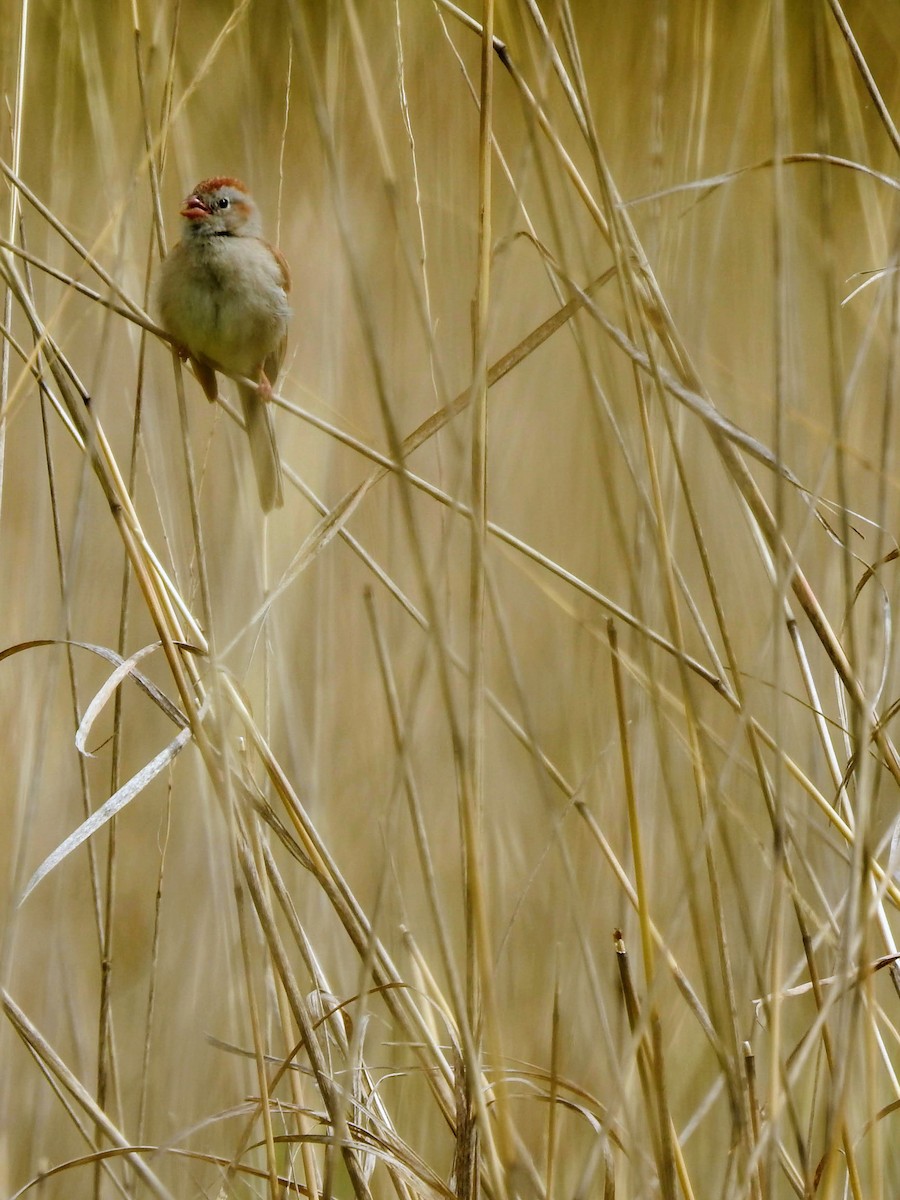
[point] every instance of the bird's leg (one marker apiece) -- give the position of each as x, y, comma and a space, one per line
264, 388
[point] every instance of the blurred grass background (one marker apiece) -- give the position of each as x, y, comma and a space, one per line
756, 811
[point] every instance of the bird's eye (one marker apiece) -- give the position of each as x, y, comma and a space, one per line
223, 202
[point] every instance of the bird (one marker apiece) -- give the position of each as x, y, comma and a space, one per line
223, 299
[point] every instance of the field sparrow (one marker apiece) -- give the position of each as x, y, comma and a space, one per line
223, 298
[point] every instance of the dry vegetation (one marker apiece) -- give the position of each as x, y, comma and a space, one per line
526, 817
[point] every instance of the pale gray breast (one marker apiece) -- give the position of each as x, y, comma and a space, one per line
230, 308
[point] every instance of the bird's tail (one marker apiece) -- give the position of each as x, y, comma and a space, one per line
263, 449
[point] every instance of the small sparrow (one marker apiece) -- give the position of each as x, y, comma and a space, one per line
222, 297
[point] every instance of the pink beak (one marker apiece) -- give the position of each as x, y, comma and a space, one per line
195, 208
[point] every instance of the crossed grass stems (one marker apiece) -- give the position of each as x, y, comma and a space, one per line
359, 1123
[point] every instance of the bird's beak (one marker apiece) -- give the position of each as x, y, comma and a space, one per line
195, 208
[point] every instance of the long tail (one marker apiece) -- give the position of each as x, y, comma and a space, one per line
263, 449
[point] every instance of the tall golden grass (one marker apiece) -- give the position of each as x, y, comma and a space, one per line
514, 813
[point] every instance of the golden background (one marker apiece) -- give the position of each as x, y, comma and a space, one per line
742, 145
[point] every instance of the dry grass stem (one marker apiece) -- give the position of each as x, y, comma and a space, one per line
328, 832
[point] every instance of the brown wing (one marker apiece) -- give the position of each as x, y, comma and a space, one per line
285, 269
207, 378
272, 365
